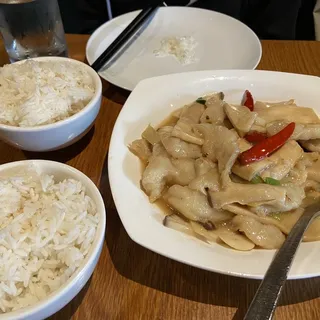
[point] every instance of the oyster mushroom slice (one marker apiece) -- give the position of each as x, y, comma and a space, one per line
175, 222
235, 240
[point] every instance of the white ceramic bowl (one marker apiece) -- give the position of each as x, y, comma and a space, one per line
62, 133
58, 299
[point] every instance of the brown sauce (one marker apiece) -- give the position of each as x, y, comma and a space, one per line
165, 208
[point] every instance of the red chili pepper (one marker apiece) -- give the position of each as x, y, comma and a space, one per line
255, 136
267, 146
247, 100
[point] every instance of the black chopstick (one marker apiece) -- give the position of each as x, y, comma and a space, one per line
124, 36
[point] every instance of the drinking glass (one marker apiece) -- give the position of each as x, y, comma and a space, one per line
32, 28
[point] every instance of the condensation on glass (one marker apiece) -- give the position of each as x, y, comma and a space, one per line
32, 28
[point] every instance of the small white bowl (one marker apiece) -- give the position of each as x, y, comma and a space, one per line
58, 299
62, 133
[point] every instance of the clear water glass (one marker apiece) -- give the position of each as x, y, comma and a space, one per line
32, 28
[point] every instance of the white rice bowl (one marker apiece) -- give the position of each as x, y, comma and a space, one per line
39, 92
52, 224
45, 102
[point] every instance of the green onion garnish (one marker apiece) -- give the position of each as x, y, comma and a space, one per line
268, 180
257, 179
271, 181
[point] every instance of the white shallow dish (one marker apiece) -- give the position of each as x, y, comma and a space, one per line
151, 102
62, 133
58, 299
223, 43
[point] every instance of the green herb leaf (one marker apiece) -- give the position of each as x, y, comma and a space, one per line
257, 179
201, 101
271, 181
268, 180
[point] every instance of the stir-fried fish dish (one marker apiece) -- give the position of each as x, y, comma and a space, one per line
234, 174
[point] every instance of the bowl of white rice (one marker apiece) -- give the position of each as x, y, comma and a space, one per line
52, 228
47, 103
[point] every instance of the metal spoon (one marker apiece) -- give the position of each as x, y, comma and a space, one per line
266, 299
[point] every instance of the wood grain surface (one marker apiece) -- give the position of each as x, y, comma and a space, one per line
131, 282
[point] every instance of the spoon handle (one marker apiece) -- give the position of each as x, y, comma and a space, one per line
265, 301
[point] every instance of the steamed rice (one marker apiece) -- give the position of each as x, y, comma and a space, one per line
46, 231
41, 92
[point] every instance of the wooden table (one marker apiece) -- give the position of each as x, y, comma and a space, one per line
131, 282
